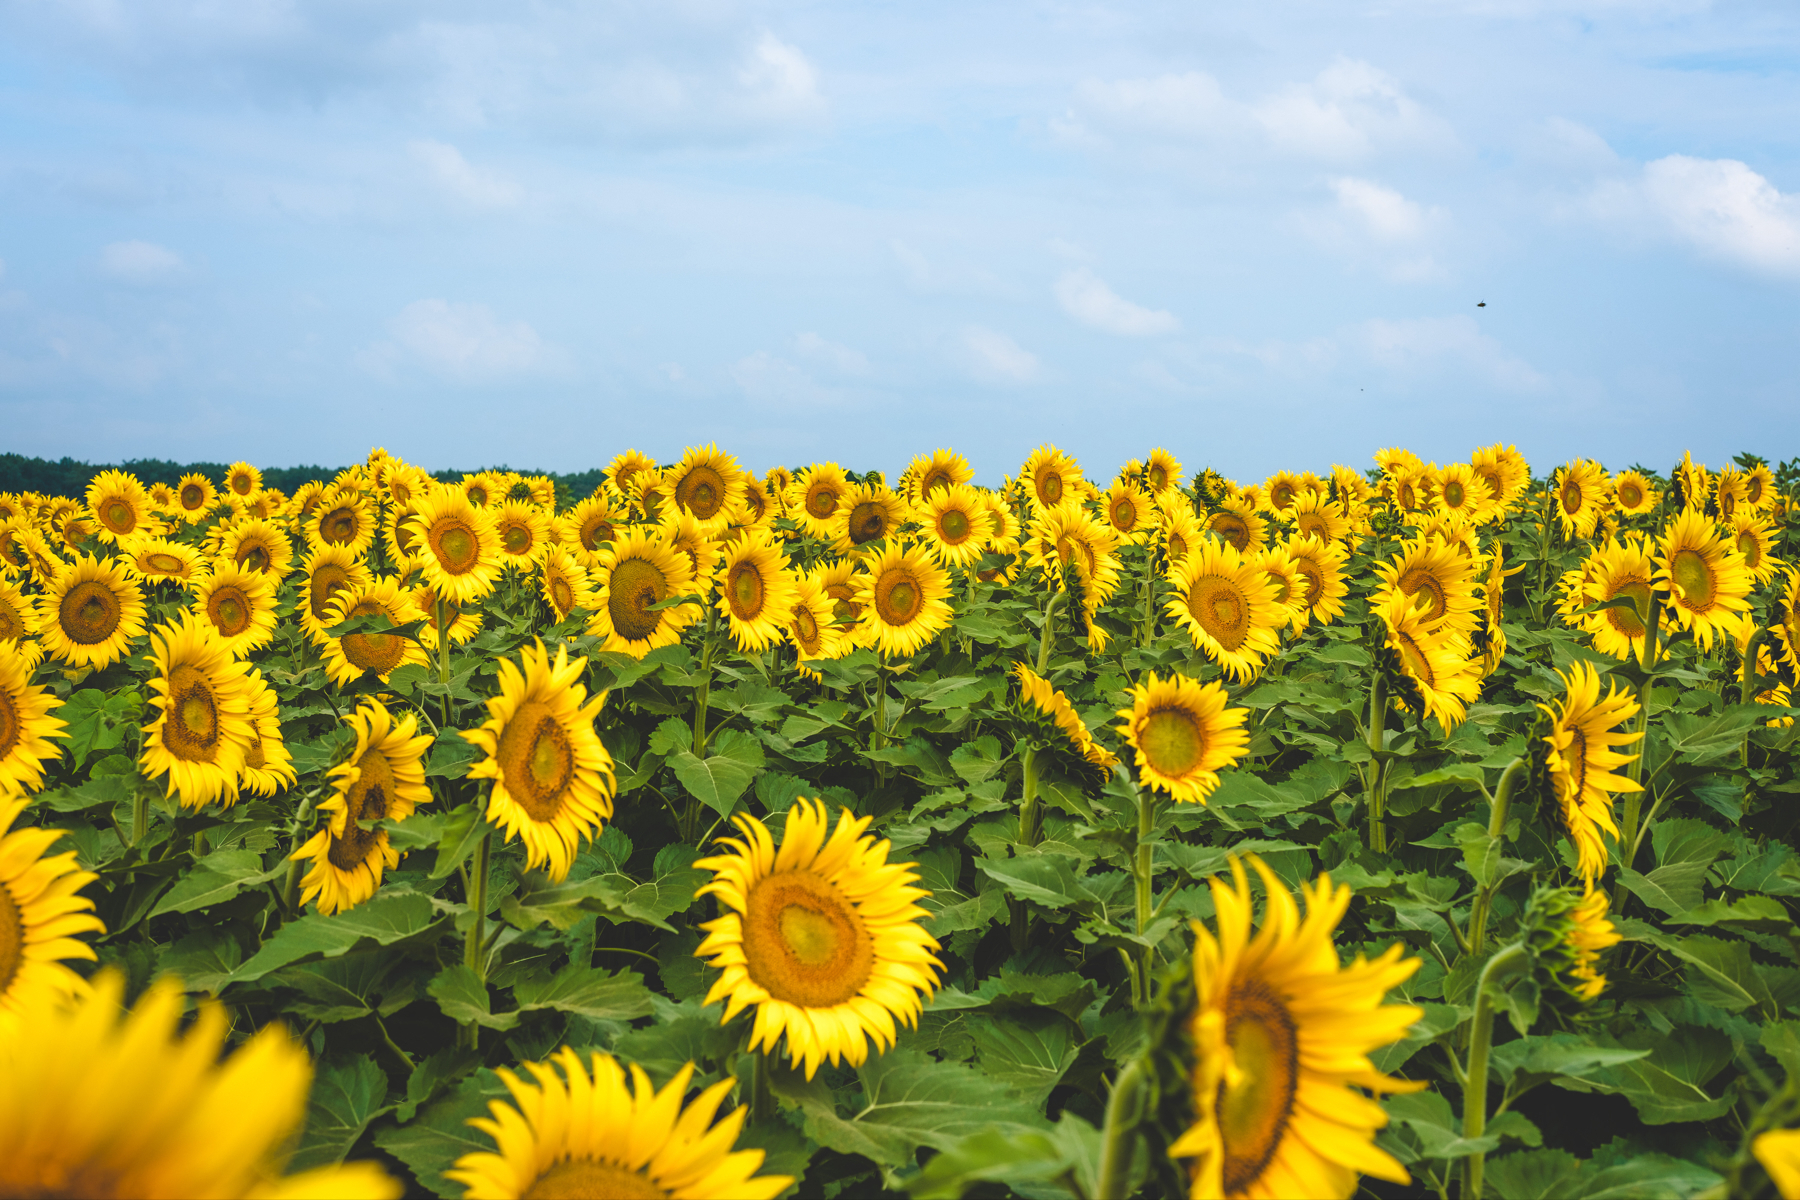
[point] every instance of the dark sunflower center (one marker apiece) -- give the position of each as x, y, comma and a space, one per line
367, 800
804, 942
935, 480
1575, 756
843, 608
1571, 497
821, 502
897, 597
12, 732
953, 527
586, 1178
701, 491
12, 939
868, 521
1414, 659
594, 531
635, 585
12, 625
1750, 548
119, 516
163, 564
1050, 488
1630, 494
1693, 574
536, 760
1281, 495
1222, 610
516, 539
1124, 515
191, 731
1631, 621
242, 484
338, 527
1255, 1107
1453, 494
744, 591
1234, 529
192, 497
253, 556
1428, 592
561, 594
89, 613
806, 629
477, 495
328, 579
1315, 580
230, 610
1159, 478
376, 653
457, 548
1173, 741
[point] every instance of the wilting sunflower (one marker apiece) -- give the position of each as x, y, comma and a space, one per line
268, 767
818, 493
944, 468
18, 615
903, 600
242, 480
1320, 568
355, 655
1754, 538
155, 560
563, 583
195, 498
40, 914
1282, 1034
707, 483
1238, 526
1227, 607
459, 552
958, 524
1705, 578
1438, 580
811, 627
90, 613
240, 607
1632, 493
1434, 661
822, 936
1585, 728
1050, 478
1461, 491
328, 571
384, 778
1618, 570
629, 576
25, 727
343, 518
1043, 698
1129, 512
622, 471
756, 591
105, 1108
1183, 734
464, 620
119, 506
258, 546
588, 1134
553, 780
1181, 532
203, 729
523, 530
868, 513
588, 526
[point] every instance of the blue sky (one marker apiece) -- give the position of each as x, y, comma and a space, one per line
1255, 233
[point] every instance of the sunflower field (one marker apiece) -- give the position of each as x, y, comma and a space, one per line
1412, 831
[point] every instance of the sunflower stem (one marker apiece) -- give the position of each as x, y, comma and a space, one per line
1028, 836
1118, 1144
1484, 900
1378, 703
1048, 634
443, 648
1506, 962
474, 948
762, 1099
1142, 863
290, 887
140, 813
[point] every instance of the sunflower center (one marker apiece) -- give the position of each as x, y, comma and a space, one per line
1159, 478
821, 502
635, 585
1178, 547
192, 497
1630, 621
11, 624
1050, 488
1427, 591
589, 1179
516, 539
868, 521
806, 629
477, 494
744, 591
594, 531
457, 548
89, 613
12, 938
1315, 580
1750, 548
897, 597
1575, 756
377, 653
241, 484
701, 491
1257, 1096
1453, 494
367, 800
1233, 528
843, 609
118, 516
192, 730
1693, 575
339, 525
230, 610
1313, 523
253, 557
536, 760
1172, 741
12, 731
804, 942
328, 579
1417, 664
1630, 494
561, 594
1571, 497
254, 758
1124, 515
1221, 609
953, 527
166, 564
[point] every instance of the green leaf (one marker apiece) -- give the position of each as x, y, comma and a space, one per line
1046, 879
346, 1096
385, 919
1030, 1050
1484, 856
1669, 1084
1558, 1054
1534, 1174
203, 960
441, 1134
978, 760
1672, 889
721, 777
433, 1074
216, 878
344, 989
451, 756
98, 720
462, 828
1438, 1130
1721, 973
588, 992
464, 998
996, 1155
918, 754
672, 736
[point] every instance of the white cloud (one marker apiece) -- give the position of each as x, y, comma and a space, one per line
1184, 105
1420, 344
1719, 206
452, 172
1087, 298
1381, 211
1348, 111
460, 343
140, 262
838, 357
996, 358
775, 381
780, 77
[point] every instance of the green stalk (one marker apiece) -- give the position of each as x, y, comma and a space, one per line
1124, 1111
1505, 962
1048, 635
1484, 900
140, 813
474, 956
762, 1099
443, 637
1378, 704
704, 691
1147, 633
1028, 836
1141, 876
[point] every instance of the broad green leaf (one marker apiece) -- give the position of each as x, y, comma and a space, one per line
346, 988
1015, 1158
1669, 1084
1533, 1175
451, 756
919, 755
673, 736
1723, 974
464, 998
441, 1133
977, 760
387, 918
721, 777
216, 878
203, 960
1672, 889
1046, 879
1564, 1054
588, 992
432, 1075
346, 1096
462, 829
1438, 1130
1029, 1049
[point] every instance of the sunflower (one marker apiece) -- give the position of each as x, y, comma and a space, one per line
1161, 472
589, 1134
203, 729
1050, 477
1067, 536
1759, 488
1632, 493
1460, 490
355, 655
621, 472
480, 488
258, 546
1489, 636
1411, 487
902, 598
1281, 489
563, 583
1048, 702
944, 468
822, 936
240, 607
1129, 512
811, 627
1238, 525
343, 518
1319, 566
756, 509
404, 483
1728, 492
119, 505
90, 613
1504, 469
1784, 619
464, 621
651, 490
383, 779
958, 524
1285, 578
868, 513
1754, 538
1778, 1150
1282, 1033
1434, 661
629, 576
1319, 517
1587, 932
1704, 577
818, 493
328, 570
300, 508
25, 726
1436, 578
156, 559
588, 526
1691, 483
838, 579
103, 1108
242, 480
707, 483
1228, 608
12, 550
1617, 570
1181, 532
756, 591
523, 530
195, 498
460, 552
268, 767
39, 915
1584, 730
553, 780
18, 616
41, 557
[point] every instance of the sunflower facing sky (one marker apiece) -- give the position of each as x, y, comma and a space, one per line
869, 513
1586, 729
707, 483
958, 524
821, 935
459, 552
119, 506
258, 546
1050, 477
821, 491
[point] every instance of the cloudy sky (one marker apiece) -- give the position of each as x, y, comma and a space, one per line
1257, 232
